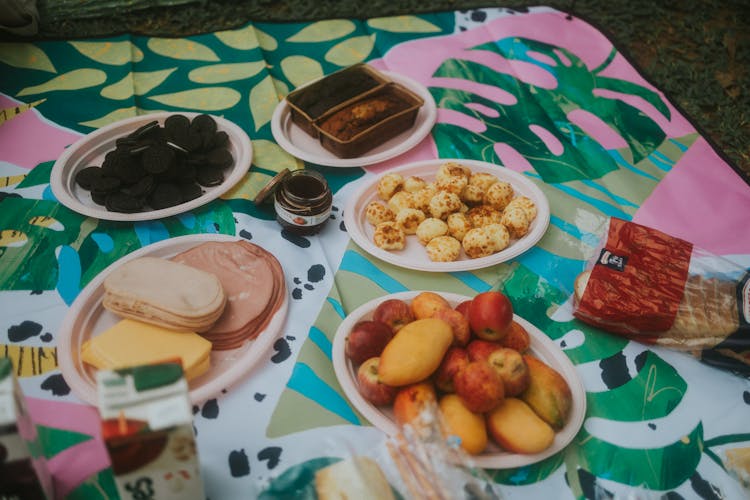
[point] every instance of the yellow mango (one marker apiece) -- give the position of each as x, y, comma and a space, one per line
462, 422
516, 428
547, 393
415, 352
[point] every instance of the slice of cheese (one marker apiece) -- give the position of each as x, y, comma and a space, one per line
132, 343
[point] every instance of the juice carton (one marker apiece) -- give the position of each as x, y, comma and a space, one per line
147, 428
23, 471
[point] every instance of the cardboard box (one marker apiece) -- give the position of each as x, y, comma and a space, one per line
23, 470
147, 428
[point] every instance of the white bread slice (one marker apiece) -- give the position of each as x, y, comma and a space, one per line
355, 478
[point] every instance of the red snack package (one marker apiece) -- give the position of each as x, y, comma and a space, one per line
655, 288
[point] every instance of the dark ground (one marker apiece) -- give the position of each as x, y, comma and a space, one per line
697, 52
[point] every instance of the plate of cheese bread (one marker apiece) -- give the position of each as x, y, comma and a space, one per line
214, 302
447, 215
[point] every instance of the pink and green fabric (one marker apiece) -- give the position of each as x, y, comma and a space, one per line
540, 92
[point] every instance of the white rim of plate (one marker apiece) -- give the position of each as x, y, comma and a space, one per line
541, 345
355, 224
241, 367
62, 187
425, 120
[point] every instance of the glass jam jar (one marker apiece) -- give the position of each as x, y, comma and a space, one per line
302, 201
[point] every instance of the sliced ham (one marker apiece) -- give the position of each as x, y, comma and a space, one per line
253, 282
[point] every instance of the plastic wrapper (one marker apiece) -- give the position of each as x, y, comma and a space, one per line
659, 289
421, 461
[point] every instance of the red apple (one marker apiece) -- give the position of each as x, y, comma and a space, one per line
481, 349
454, 361
370, 385
517, 337
459, 325
490, 315
367, 340
511, 367
393, 312
463, 308
479, 386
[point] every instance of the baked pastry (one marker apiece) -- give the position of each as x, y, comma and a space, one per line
376, 212
409, 219
443, 249
389, 236
431, 228
516, 220
498, 195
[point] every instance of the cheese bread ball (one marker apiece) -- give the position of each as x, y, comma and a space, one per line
431, 228
458, 225
482, 215
516, 220
499, 236
443, 249
452, 183
451, 169
400, 201
443, 204
422, 198
409, 219
499, 195
473, 195
413, 184
389, 184
527, 204
478, 242
482, 180
389, 236
376, 212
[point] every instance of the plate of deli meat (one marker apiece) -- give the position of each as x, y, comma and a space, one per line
215, 302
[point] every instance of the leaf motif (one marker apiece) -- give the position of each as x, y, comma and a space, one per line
119, 91
266, 41
323, 31
12, 238
180, 48
112, 53
145, 81
73, 80
263, 100
241, 39
135, 83
112, 117
351, 51
282, 89
220, 73
403, 24
270, 156
301, 69
249, 187
205, 99
25, 56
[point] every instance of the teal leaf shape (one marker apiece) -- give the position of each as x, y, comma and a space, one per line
653, 393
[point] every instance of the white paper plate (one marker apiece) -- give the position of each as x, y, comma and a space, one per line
493, 458
90, 150
414, 255
300, 144
87, 318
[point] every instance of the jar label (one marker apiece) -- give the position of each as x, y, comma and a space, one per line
301, 220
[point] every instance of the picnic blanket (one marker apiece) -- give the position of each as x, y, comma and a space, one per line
540, 92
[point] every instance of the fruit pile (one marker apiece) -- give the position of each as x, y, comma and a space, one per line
472, 361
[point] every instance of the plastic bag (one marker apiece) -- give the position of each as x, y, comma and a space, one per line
659, 289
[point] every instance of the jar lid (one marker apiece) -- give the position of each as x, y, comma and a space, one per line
269, 188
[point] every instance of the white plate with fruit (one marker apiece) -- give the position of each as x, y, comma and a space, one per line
439, 357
